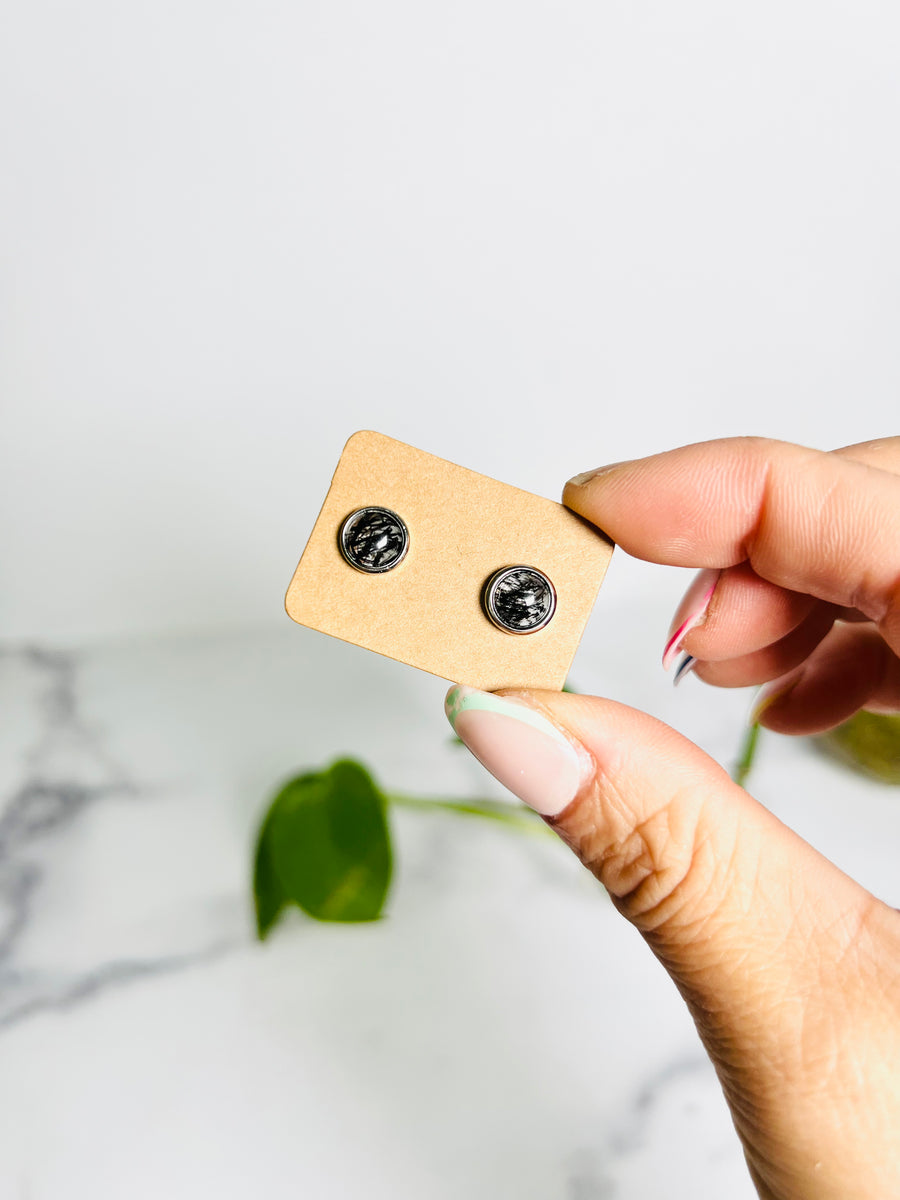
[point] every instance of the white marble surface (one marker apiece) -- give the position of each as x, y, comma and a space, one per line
501, 1034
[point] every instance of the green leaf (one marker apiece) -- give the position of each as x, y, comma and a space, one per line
869, 742
269, 899
328, 844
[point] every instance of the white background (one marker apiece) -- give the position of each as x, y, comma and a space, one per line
528, 237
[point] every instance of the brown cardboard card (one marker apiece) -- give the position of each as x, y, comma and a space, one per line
428, 610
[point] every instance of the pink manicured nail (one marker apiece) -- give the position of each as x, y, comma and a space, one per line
520, 748
691, 612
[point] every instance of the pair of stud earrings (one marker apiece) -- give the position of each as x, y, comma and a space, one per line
517, 599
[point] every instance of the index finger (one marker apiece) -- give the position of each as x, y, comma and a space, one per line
824, 524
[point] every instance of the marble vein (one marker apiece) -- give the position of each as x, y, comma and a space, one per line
64, 773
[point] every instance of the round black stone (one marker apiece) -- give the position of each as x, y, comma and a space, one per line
520, 599
374, 540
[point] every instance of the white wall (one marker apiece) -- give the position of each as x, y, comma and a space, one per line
529, 237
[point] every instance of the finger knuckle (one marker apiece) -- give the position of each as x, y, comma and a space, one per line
666, 872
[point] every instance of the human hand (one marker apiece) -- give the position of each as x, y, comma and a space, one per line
790, 969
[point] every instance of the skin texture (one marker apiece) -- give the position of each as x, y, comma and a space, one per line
790, 969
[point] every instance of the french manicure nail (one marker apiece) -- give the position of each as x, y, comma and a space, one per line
691, 612
520, 748
687, 664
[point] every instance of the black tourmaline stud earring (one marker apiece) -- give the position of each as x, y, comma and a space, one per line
374, 540
519, 599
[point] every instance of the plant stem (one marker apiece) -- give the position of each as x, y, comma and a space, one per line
748, 752
495, 810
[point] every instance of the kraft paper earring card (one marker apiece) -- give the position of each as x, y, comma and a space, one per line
448, 570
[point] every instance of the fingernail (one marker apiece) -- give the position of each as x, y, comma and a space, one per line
770, 694
587, 476
691, 612
520, 748
687, 664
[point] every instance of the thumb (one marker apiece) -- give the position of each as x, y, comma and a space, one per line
697, 865
769, 943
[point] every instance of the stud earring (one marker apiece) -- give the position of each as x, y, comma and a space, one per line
519, 599
373, 540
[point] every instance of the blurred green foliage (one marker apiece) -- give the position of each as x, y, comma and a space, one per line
324, 844
869, 742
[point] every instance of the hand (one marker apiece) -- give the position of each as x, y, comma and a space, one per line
791, 969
